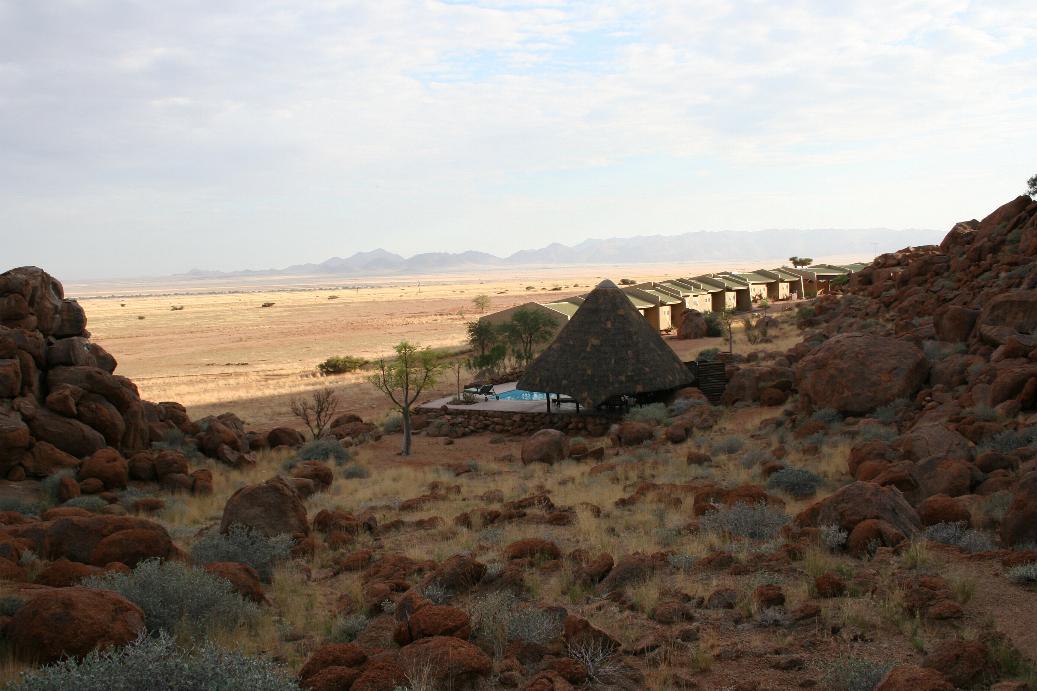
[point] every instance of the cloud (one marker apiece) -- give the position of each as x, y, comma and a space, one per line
265, 132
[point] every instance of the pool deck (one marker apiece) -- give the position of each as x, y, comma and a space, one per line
492, 404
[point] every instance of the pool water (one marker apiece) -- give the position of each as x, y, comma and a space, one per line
520, 395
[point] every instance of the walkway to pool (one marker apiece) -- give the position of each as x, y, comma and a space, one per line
513, 405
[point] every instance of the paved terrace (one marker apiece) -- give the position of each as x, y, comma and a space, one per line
509, 406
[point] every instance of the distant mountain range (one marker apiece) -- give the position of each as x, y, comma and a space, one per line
733, 246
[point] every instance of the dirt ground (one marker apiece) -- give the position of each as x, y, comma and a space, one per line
224, 351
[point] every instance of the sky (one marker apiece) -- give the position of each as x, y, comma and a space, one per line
149, 138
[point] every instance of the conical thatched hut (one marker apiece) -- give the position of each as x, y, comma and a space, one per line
607, 349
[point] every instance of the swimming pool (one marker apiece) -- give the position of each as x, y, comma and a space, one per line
520, 395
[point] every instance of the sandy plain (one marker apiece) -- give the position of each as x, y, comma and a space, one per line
224, 351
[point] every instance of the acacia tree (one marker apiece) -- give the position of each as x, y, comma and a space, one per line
800, 261
402, 379
528, 328
481, 335
1031, 187
317, 412
481, 302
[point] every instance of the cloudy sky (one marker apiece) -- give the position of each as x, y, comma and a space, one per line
141, 137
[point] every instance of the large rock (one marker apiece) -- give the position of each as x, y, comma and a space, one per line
10, 378
749, 382
911, 678
860, 501
954, 323
284, 436
855, 373
108, 466
451, 662
546, 446
72, 622
71, 436
14, 433
33, 299
77, 537
1016, 310
933, 439
1019, 525
693, 325
272, 508
433, 620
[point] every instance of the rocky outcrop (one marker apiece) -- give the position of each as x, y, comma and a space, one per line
855, 373
271, 508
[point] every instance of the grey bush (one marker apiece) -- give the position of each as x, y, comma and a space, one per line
1023, 574
832, 536
245, 546
1010, 440
345, 629
727, 445
49, 485
177, 598
90, 502
654, 412
19, 506
392, 423
9, 604
961, 536
355, 471
797, 482
436, 594
828, 416
681, 562
854, 673
753, 521
534, 625
327, 449
755, 457
157, 664
175, 440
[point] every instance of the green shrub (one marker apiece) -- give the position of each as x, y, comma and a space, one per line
49, 485
796, 482
327, 449
340, 364
752, 521
878, 433
157, 664
714, 324
708, 355
243, 545
832, 536
392, 423
534, 625
178, 598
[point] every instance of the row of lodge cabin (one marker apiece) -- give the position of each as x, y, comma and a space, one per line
663, 303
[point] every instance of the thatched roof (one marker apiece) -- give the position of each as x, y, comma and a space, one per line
606, 349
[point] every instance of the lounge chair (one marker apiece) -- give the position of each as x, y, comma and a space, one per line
486, 390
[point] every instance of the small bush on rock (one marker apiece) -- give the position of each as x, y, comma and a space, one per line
1010, 440
175, 440
753, 521
156, 663
243, 545
177, 598
19, 506
533, 625
49, 485
796, 482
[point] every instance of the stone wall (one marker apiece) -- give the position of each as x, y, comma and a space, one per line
456, 422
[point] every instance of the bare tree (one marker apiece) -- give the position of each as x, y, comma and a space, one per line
403, 380
317, 411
